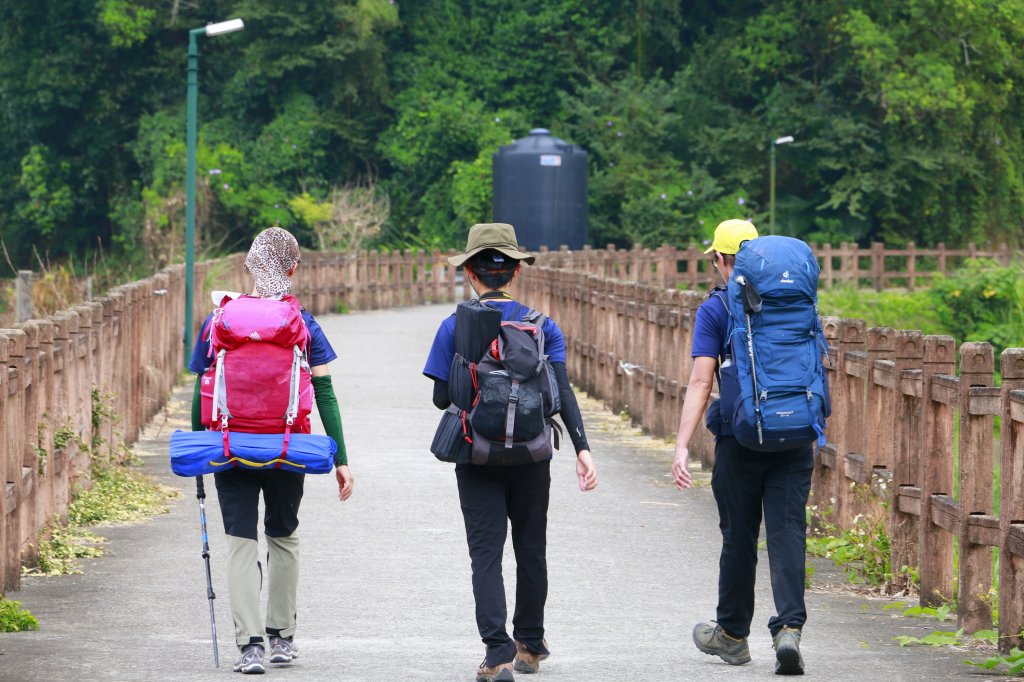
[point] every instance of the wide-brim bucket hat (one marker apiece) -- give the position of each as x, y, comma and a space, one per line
498, 236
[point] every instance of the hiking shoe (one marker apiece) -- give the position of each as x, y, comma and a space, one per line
282, 650
495, 673
251, 661
712, 639
788, 660
526, 661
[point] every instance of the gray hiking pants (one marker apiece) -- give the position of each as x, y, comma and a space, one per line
238, 491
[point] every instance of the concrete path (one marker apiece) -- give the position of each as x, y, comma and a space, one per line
385, 587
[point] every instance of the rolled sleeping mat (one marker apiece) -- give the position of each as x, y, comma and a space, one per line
194, 453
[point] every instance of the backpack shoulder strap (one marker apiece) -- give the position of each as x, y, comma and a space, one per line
719, 293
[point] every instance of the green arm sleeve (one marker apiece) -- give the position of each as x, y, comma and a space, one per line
197, 407
330, 415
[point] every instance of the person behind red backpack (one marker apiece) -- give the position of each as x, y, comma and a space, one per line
271, 261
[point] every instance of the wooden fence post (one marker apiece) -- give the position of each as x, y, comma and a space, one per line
847, 426
1011, 510
979, 401
906, 504
16, 435
936, 474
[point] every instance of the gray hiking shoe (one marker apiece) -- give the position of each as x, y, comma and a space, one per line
788, 660
711, 639
282, 649
251, 661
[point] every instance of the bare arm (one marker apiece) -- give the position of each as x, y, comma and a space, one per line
698, 389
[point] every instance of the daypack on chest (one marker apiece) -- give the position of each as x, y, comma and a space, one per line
774, 390
259, 381
504, 400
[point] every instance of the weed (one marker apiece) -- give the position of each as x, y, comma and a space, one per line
118, 495
41, 453
13, 618
60, 547
958, 638
1013, 662
861, 551
341, 308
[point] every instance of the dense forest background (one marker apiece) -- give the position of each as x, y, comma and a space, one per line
907, 118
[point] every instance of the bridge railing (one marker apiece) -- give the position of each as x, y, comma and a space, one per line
878, 266
122, 353
905, 425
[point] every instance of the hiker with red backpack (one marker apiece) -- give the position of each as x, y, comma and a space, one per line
498, 369
761, 335
265, 382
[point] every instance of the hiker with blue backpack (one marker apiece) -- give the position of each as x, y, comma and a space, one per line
499, 374
263, 382
760, 335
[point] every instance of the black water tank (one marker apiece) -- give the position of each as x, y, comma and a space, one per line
540, 188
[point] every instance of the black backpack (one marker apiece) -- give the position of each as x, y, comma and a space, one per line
503, 403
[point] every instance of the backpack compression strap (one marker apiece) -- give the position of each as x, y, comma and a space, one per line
293, 404
510, 415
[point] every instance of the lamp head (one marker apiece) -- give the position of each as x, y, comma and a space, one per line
229, 26
783, 140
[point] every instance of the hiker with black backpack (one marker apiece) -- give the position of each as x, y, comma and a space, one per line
761, 336
499, 373
268, 391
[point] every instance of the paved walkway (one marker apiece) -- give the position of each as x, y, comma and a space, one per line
385, 587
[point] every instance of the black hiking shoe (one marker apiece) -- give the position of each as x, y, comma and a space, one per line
788, 660
251, 661
713, 640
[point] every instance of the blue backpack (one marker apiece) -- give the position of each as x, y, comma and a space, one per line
774, 390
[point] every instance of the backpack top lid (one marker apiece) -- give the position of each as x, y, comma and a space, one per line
777, 267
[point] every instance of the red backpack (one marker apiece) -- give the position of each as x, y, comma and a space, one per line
260, 380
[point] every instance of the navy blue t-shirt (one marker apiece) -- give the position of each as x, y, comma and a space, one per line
439, 361
319, 350
711, 328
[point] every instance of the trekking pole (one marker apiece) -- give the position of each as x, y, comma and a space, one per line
201, 495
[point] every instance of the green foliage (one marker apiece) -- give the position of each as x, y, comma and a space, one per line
127, 22
1010, 664
905, 117
13, 618
896, 309
982, 301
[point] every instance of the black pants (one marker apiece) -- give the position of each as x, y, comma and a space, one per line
746, 482
238, 492
491, 497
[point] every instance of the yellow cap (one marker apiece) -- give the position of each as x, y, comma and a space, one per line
730, 234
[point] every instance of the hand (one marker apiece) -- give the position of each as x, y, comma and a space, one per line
345, 482
585, 471
680, 472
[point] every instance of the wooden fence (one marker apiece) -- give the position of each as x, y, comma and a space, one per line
122, 354
897, 403
878, 267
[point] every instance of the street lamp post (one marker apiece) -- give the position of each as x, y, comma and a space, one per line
771, 183
190, 178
